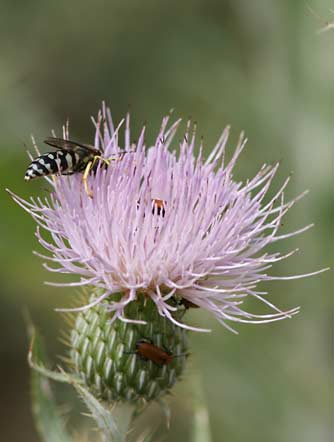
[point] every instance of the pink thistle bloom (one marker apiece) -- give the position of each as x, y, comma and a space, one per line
167, 224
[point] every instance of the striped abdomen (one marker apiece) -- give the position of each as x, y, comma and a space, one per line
58, 162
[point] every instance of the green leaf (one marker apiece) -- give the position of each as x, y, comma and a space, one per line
147, 436
49, 422
201, 425
166, 411
112, 422
37, 359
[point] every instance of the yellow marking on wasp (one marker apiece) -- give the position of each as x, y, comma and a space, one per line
90, 166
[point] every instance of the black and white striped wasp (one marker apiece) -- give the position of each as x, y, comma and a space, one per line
69, 158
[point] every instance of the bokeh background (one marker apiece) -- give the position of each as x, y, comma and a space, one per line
257, 65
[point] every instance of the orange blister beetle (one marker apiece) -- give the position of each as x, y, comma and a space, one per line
148, 351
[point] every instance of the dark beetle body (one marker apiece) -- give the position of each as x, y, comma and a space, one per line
71, 157
148, 351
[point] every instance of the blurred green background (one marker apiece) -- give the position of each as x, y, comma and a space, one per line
257, 65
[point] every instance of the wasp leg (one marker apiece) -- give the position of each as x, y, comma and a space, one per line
89, 167
85, 176
104, 160
118, 158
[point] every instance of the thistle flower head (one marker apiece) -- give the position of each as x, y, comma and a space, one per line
128, 362
166, 224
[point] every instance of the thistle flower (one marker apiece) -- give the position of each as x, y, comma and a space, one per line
165, 224
110, 357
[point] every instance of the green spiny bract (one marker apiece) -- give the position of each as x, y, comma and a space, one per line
104, 353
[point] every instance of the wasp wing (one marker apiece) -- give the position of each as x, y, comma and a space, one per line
69, 145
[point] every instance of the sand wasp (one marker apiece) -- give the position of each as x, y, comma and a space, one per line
69, 158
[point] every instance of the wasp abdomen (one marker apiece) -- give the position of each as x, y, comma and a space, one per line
61, 162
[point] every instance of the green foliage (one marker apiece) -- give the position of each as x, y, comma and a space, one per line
37, 358
113, 423
48, 419
113, 420
201, 426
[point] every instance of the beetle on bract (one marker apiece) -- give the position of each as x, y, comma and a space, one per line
148, 351
69, 158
